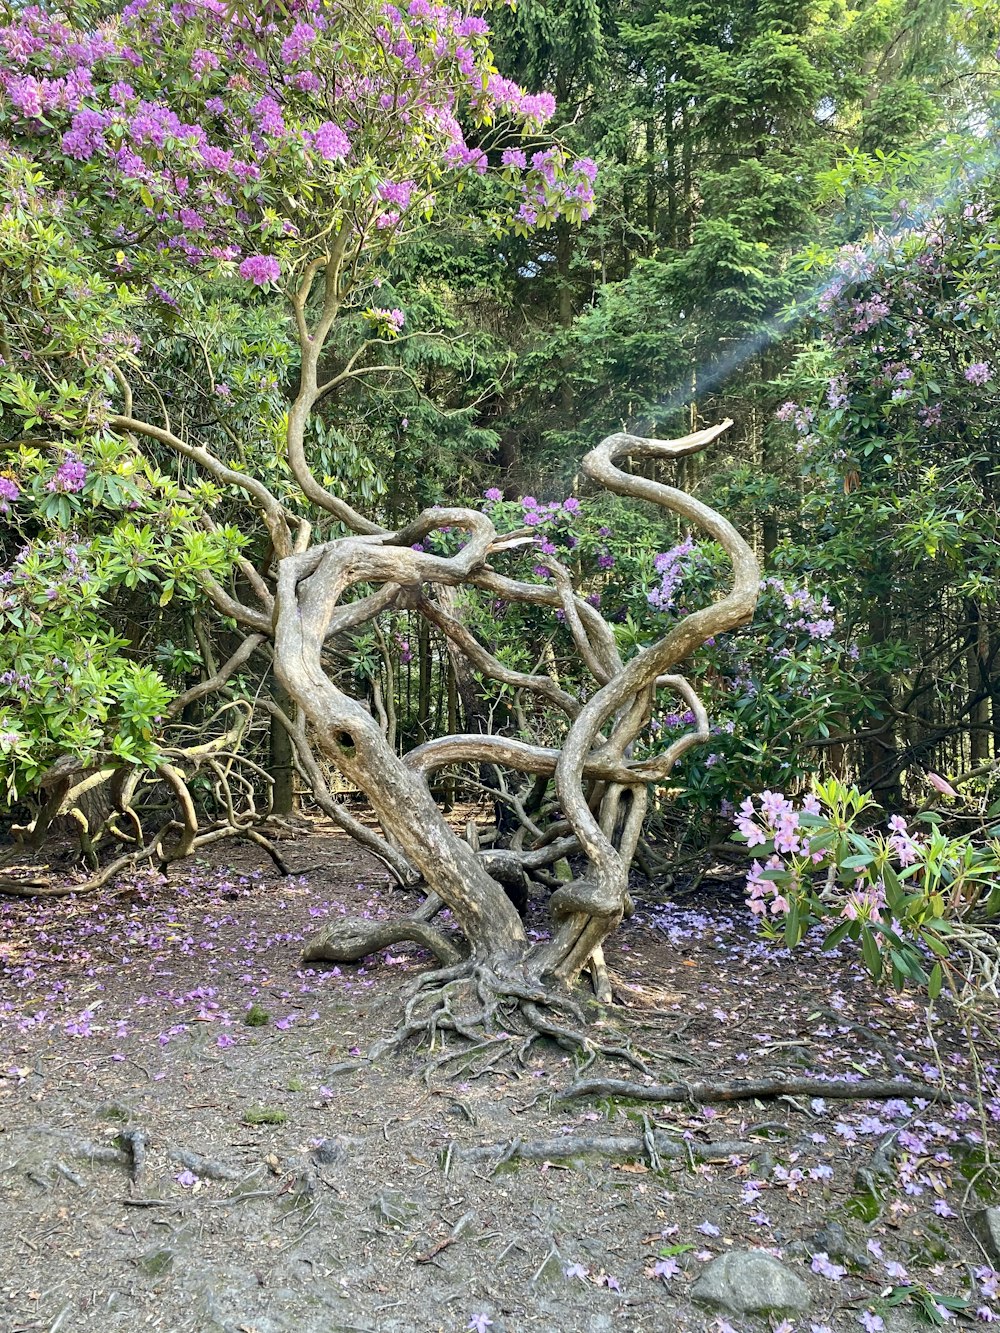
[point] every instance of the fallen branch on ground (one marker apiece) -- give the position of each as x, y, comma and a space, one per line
739, 1090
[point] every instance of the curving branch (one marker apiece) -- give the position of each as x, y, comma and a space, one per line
601, 787
492, 667
221, 678
586, 907
275, 516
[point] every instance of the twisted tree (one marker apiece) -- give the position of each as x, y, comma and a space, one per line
601, 791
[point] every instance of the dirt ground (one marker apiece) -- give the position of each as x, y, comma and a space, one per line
190, 1138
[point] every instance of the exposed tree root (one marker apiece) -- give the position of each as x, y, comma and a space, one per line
488, 1010
349, 939
655, 1146
34, 885
738, 1090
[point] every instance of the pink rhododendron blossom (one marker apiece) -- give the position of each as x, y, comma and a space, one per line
330, 141
260, 269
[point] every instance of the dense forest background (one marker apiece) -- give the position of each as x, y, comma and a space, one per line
794, 227
762, 166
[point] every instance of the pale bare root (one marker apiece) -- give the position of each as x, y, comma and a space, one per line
107, 803
490, 1010
349, 939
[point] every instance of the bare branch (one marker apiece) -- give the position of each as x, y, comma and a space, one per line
274, 513
223, 675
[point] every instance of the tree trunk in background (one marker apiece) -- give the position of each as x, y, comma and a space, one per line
671, 163
993, 671
979, 686
282, 764
424, 667
881, 757
652, 201
686, 169
462, 671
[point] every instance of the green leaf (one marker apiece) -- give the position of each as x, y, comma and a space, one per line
870, 953
792, 929
836, 936
935, 981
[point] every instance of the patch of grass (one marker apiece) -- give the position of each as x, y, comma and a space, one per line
983, 1176
865, 1205
264, 1115
934, 1247
115, 1111
295, 1085
256, 1016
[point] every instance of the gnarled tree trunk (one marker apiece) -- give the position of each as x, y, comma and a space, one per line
601, 790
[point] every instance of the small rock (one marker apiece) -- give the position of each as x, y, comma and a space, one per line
114, 1111
750, 1282
328, 1152
985, 1226
833, 1240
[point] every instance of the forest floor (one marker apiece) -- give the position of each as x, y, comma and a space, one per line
166, 1165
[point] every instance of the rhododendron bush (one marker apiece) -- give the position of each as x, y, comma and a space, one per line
893, 423
915, 899
155, 167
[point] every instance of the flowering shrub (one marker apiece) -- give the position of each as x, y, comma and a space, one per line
771, 691
166, 172
897, 891
894, 412
211, 126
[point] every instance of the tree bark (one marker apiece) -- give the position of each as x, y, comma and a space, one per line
282, 758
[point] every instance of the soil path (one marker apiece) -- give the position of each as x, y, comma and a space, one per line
189, 1140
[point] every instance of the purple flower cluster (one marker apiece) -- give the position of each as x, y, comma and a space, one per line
197, 177
551, 522
260, 269
902, 841
393, 320
203, 62
804, 611
56, 570
330, 141
550, 179
979, 373
297, 45
672, 566
70, 476
8, 494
